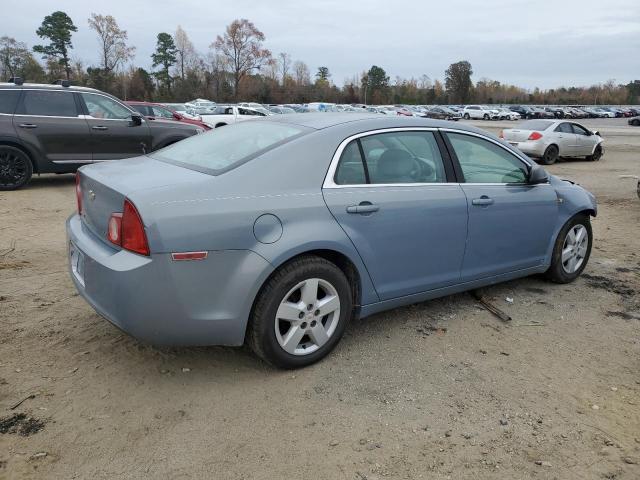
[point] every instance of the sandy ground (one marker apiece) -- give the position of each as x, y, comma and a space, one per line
440, 390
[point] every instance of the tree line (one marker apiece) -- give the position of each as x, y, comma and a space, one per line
238, 66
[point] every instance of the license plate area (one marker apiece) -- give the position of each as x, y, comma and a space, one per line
76, 257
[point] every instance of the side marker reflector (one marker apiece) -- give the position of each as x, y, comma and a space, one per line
180, 256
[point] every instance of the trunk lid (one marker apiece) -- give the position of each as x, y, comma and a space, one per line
515, 135
105, 185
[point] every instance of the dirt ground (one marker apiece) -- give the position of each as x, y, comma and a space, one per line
439, 390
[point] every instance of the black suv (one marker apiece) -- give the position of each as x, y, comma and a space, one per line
58, 128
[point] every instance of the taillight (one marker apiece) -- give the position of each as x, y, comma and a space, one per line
78, 193
535, 136
126, 230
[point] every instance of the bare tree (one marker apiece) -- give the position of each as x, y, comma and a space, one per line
241, 44
14, 56
186, 53
301, 73
112, 40
284, 62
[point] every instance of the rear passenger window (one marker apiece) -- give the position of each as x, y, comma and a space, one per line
391, 158
49, 104
564, 128
9, 100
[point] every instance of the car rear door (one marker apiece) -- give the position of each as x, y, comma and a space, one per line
50, 123
393, 194
585, 141
566, 139
113, 133
510, 222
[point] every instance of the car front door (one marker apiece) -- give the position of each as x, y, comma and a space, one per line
114, 134
510, 222
585, 141
393, 195
565, 139
50, 123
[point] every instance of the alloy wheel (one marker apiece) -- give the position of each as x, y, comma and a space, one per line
574, 248
307, 317
13, 168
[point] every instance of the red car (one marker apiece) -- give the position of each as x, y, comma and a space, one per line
155, 110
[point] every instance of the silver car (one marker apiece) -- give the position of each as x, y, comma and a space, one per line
277, 232
548, 140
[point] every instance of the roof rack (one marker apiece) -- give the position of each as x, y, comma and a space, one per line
64, 83
16, 80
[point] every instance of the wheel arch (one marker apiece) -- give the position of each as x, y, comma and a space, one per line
25, 150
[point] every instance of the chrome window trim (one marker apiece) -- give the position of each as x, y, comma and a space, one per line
77, 117
329, 182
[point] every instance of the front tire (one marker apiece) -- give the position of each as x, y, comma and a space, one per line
301, 313
485, 116
15, 168
571, 251
466, 116
597, 154
550, 155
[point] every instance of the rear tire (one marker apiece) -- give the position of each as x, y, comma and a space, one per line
597, 154
466, 116
485, 116
15, 168
636, 123
289, 316
571, 251
550, 155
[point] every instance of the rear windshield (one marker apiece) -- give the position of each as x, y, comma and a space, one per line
225, 148
538, 125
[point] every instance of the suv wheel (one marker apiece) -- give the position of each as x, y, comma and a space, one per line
15, 168
466, 116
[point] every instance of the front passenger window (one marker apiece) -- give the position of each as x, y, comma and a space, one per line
100, 106
483, 161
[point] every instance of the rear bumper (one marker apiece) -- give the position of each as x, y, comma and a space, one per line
532, 149
164, 302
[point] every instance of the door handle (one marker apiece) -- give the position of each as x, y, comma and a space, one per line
482, 201
99, 127
28, 125
363, 207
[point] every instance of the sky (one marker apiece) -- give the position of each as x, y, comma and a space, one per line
542, 43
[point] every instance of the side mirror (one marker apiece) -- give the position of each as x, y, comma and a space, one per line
177, 116
136, 119
538, 175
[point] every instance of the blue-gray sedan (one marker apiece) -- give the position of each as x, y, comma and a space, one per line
277, 232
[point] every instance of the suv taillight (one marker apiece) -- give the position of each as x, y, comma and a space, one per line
535, 136
126, 230
78, 193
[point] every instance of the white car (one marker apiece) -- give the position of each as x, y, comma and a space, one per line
548, 140
479, 112
229, 114
506, 114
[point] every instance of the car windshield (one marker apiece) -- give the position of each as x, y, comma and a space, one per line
223, 149
539, 125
